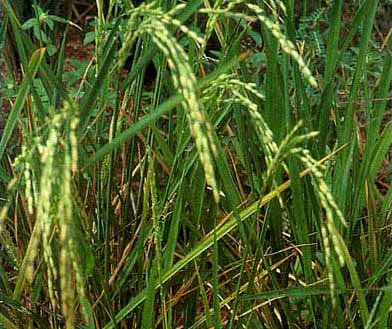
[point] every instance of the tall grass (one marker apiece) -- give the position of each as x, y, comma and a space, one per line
236, 186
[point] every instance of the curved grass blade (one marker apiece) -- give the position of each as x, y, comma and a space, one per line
127, 134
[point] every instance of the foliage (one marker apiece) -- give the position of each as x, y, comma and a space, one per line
211, 164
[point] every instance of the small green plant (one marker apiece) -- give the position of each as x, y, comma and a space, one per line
42, 26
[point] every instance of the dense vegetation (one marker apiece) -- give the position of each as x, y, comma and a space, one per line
212, 164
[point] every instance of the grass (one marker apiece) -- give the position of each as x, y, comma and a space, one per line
232, 186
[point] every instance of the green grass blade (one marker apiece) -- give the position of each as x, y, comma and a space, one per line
33, 67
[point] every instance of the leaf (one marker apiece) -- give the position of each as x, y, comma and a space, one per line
88, 38
30, 23
32, 69
51, 49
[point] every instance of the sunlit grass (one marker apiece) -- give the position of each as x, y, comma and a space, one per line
233, 188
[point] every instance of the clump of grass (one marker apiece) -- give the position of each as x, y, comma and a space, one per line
211, 196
